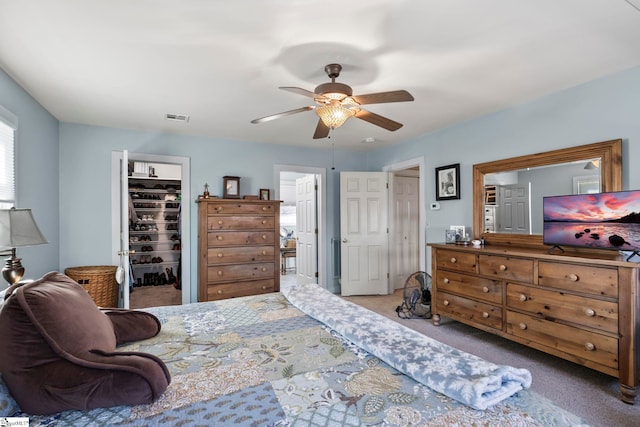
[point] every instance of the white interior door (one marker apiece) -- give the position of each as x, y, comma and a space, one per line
364, 233
513, 216
123, 253
404, 256
307, 230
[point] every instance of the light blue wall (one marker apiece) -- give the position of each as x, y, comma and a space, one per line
601, 110
85, 177
37, 165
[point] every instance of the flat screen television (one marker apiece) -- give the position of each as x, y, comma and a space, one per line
598, 221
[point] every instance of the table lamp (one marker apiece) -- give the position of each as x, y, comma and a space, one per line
17, 229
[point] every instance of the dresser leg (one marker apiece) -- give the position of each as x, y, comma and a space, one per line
436, 320
628, 394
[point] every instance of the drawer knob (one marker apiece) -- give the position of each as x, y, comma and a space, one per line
453, 260
573, 277
220, 273
264, 208
590, 312
445, 302
523, 297
264, 252
219, 291
219, 237
485, 289
220, 222
503, 267
264, 237
446, 280
523, 326
590, 346
219, 209
264, 269
220, 255
264, 287
264, 221
485, 314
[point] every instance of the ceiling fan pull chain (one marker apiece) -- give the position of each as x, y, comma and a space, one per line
333, 155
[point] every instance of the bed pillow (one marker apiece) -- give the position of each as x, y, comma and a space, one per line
59, 350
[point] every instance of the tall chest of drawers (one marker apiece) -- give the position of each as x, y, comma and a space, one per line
238, 248
582, 307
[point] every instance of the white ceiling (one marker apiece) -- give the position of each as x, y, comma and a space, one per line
127, 63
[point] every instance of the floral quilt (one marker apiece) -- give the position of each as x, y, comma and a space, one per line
261, 361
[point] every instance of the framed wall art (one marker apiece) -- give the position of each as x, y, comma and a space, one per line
448, 182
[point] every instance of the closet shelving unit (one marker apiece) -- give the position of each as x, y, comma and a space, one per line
153, 228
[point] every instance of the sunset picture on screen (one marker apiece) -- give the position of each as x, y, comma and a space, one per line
602, 220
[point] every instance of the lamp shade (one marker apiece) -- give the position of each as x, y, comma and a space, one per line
593, 164
18, 228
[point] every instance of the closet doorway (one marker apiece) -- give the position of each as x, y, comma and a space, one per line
158, 191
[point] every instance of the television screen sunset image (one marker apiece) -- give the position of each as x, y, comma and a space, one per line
602, 220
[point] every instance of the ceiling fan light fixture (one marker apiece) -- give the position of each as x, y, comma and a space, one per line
334, 115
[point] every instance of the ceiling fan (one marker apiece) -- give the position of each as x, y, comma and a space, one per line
335, 103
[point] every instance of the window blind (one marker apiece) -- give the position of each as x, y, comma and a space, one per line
8, 126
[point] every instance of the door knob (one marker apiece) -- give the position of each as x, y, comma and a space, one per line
344, 240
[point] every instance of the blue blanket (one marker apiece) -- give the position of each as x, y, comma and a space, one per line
454, 373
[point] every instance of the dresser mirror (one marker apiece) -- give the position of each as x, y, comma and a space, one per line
586, 168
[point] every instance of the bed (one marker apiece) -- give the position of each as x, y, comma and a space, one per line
307, 357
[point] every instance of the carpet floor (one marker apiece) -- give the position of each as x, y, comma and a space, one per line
590, 394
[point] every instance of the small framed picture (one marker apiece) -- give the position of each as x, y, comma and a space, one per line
231, 187
449, 236
448, 182
265, 194
459, 232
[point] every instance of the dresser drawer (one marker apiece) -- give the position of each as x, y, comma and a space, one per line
473, 311
225, 273
583, 344
239, 289
470, 286
240, 208
506, 267
579, 277
240, 238
562, 306
454, 260
229, 255
240, 222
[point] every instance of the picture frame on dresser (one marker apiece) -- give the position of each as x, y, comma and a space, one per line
265, 194
231, 187
448, 182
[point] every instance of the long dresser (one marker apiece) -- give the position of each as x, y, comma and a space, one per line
583, 307
238, 248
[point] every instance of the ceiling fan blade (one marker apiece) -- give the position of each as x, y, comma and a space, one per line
378, 120
299, 91
322, 130
284, 113
381, 97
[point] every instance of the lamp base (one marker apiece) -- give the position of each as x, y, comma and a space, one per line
13, 269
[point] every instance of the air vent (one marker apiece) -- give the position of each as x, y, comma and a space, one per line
177, 117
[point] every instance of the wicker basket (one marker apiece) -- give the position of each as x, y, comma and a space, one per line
99, 281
